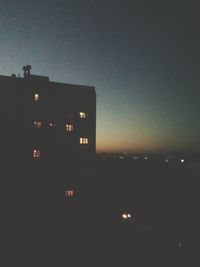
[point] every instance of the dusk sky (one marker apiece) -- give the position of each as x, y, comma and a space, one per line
143, 57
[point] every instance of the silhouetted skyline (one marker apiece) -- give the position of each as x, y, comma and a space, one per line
142, 57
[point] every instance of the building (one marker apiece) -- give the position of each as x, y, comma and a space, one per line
44, 120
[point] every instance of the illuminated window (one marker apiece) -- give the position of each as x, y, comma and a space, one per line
126, 216
83, 141
36, 97
69, 127
36, 153
82, 115
37, 124
69, 193
51, 124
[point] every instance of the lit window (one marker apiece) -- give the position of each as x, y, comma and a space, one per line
82, 115
52, 124
126, 216
37, 124
69, 127
36, 153
36, 97
69, 193
83, 141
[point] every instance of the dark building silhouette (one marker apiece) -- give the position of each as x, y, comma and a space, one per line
43, 120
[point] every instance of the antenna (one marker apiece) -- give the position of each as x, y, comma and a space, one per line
26, 70
28, 67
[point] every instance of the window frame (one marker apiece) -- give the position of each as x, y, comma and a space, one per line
83, 141
69, 128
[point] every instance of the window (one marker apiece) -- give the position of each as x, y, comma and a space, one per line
36, 153
51, 124
36, 97
69, 193
69, 127
82, 115
37, 124
126, 216
83, 141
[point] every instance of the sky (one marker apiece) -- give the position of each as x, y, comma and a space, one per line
143, 57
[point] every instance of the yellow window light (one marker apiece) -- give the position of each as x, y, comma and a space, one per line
36, 97
69, 127
83, 141
82, 115
36, 153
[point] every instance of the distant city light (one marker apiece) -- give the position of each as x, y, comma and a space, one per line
145, 157
166, 160
182, 160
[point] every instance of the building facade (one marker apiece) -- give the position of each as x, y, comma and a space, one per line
44, 120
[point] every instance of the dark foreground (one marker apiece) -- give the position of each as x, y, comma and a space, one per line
42, 227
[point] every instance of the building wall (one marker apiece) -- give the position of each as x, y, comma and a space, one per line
31, 124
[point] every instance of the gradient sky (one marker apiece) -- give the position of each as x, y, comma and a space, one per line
143, 57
